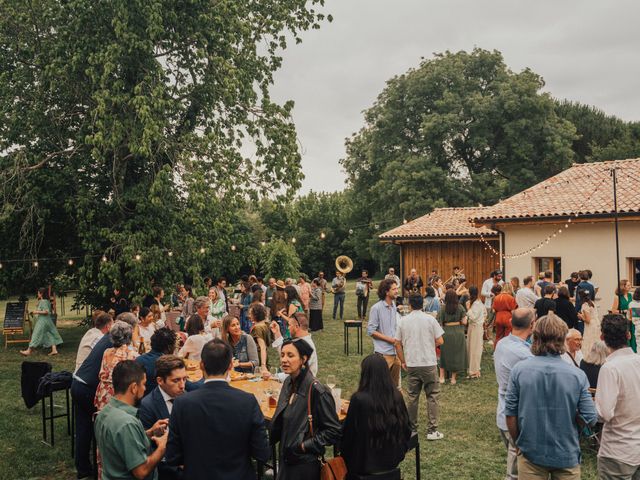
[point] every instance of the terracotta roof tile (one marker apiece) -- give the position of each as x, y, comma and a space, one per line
442, 222
585, 189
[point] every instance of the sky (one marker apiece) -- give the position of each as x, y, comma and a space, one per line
586, 51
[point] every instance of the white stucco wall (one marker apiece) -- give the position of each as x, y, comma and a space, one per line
582, 246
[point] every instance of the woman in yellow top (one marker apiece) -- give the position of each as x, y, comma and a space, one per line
45, 334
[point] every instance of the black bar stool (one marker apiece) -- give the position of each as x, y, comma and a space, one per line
357, 324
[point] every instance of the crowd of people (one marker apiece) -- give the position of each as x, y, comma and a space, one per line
553, 355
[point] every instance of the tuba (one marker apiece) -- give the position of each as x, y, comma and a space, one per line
344, 264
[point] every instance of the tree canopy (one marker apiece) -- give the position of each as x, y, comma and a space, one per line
138, 127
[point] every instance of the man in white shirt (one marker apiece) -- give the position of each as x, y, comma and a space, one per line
102, 323
158, 295
298, 328
418, 335
526, 298
617, 400
488, 284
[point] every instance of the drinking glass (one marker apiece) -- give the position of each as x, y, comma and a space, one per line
257, 371
331, 381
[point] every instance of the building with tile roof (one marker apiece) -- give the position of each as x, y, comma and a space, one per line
443, 239
566, 224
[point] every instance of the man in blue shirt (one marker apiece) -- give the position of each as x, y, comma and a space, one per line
510, 351
543, 398
382, 326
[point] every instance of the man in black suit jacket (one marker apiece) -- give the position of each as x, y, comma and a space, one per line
216, 430
171, 377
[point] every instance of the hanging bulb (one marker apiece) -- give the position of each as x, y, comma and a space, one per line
70, 262
170, 253
35, 264
263, 243
138, 257
351, 231
104, 259
405, 221
233, 248
293, 240
202, 250
323, 235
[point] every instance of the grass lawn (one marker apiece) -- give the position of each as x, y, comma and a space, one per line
471, 449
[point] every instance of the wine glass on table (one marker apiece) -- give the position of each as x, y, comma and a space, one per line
257, 371
331, 381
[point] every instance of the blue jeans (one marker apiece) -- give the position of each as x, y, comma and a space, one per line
338, 299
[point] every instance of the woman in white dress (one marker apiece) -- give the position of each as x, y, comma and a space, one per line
192, 348
589, 315
476, 315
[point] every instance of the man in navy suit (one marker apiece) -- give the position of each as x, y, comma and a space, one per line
171, 377
163, 342
216, 430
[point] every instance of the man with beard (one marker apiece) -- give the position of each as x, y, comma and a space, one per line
124, 444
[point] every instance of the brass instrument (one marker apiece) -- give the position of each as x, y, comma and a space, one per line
344, 265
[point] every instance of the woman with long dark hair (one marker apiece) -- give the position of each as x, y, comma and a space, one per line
376, 432
302, 440
45, 334
453, 352
476, 315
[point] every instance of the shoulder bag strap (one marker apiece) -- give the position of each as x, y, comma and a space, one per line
309, 414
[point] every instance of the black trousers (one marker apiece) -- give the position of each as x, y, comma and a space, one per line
83, 396
362, 304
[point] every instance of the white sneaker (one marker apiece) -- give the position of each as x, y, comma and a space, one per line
435, 436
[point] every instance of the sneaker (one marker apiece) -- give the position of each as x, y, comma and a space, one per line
435, 436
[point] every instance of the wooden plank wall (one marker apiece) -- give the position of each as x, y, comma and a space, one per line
469, 255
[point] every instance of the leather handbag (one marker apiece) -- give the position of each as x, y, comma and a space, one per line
334, 468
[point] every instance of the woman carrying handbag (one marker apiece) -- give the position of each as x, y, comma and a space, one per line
302, 436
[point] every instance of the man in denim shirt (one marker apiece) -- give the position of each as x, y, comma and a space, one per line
543, 398
382, 327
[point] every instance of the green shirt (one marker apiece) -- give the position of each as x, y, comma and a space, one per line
122, 441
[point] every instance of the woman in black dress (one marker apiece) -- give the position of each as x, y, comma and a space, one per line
376, 431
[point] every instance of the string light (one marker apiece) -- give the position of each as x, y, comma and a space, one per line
351, 231
558, 231
323, 235
293, 240
233, 248
202, 250
405, 221
104, 259
263, 243
35, 264
170, 253
138, 257
70, 262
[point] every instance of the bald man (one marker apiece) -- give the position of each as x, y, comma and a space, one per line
413, 284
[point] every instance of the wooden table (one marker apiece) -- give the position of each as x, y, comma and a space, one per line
256, 388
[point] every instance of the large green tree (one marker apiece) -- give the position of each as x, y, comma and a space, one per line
600, 136
134, 127
460, 129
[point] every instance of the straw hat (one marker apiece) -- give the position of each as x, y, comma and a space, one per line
280, 284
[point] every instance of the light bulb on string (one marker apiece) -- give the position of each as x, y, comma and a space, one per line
405, 221
104, 259
70, 262
138, 257
323, 235
202, 250
376, 226
35, 264
170, 253
233, 248
351, 231
293, 240
263, 243
0, 266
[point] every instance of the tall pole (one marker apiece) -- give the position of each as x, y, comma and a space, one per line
615, 217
